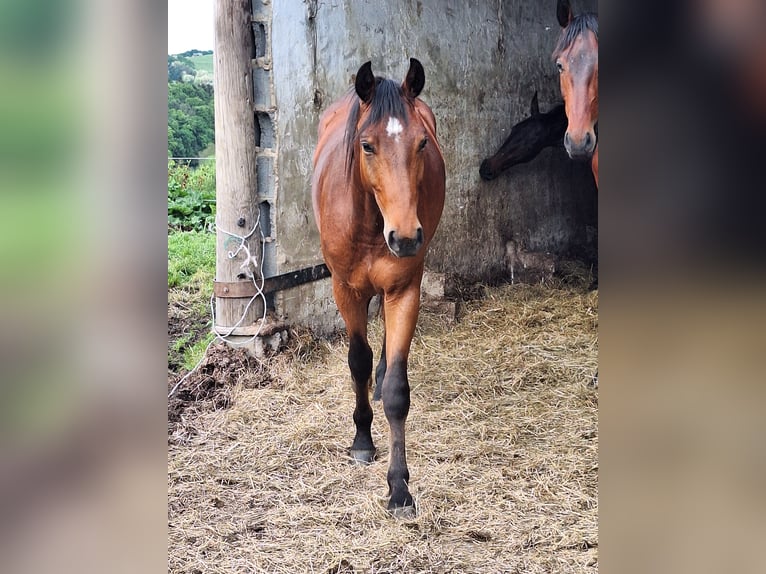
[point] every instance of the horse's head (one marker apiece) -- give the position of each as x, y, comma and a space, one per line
526, 140
576, 57
387, 139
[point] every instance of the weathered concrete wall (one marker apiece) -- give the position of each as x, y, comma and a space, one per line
483, 62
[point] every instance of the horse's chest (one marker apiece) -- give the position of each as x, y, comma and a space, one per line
352, 270
374, 273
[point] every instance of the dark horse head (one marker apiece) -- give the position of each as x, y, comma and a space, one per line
576, 57
527, 139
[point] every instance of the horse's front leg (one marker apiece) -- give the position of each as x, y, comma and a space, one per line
353, 308
401, 318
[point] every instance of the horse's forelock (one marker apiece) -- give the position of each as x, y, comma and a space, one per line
578, 25
388, 100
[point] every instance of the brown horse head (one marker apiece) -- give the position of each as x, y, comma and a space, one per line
576, 57
387, 134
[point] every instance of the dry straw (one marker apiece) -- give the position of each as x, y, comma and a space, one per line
502, 450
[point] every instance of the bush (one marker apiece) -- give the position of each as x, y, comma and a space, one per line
191, 197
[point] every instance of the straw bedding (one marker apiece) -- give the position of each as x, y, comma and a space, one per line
502, 450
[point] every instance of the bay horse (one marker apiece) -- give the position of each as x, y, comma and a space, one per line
576, 57
378, 193
527, 139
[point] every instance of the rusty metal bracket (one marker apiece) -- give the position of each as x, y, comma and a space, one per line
246, 289
234, 289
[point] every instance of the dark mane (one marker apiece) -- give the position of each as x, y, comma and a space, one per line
388, 100
579, 25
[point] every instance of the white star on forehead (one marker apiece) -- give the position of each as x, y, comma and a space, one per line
394, 128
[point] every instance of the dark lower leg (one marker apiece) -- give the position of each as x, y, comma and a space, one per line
380, 372
396, 405
360, 364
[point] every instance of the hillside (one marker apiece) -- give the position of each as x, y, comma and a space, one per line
190, 105
203, 62
191, 66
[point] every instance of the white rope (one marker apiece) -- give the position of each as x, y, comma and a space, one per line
249, 261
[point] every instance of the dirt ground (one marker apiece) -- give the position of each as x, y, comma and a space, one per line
502, 446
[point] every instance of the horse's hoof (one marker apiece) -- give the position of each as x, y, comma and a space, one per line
403, 512
363, 456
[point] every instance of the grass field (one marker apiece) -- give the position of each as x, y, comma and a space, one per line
203, 63
209, 151
191, 269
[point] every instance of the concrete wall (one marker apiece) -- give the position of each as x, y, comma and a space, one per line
483, 61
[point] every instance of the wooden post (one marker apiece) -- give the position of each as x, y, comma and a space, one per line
235, 154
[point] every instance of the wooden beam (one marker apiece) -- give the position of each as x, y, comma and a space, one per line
235, 147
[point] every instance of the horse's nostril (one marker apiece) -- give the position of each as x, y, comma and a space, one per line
588, 140
391, 239
419, 236
567, 139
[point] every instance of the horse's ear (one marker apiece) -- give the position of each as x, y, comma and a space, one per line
564, 12
534, 108
415, 80
365, 83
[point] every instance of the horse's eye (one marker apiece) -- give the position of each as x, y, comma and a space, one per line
367, 148
422, 144
560, 66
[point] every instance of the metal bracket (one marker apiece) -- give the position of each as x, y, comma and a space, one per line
247, 289
234, 289
295, 278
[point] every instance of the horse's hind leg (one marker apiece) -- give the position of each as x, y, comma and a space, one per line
380, 370
354, 312
401, 317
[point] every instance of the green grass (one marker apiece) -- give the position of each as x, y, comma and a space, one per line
191, 271
209, 151
190, 352
191, 260
203, 63
193, 354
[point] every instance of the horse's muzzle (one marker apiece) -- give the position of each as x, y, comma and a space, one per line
485, 171
580, 149
405, 246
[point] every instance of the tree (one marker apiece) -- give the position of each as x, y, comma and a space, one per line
177, 67
191, 124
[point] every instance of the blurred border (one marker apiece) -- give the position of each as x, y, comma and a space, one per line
682, 298
83, 172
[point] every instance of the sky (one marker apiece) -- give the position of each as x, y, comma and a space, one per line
190, 25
